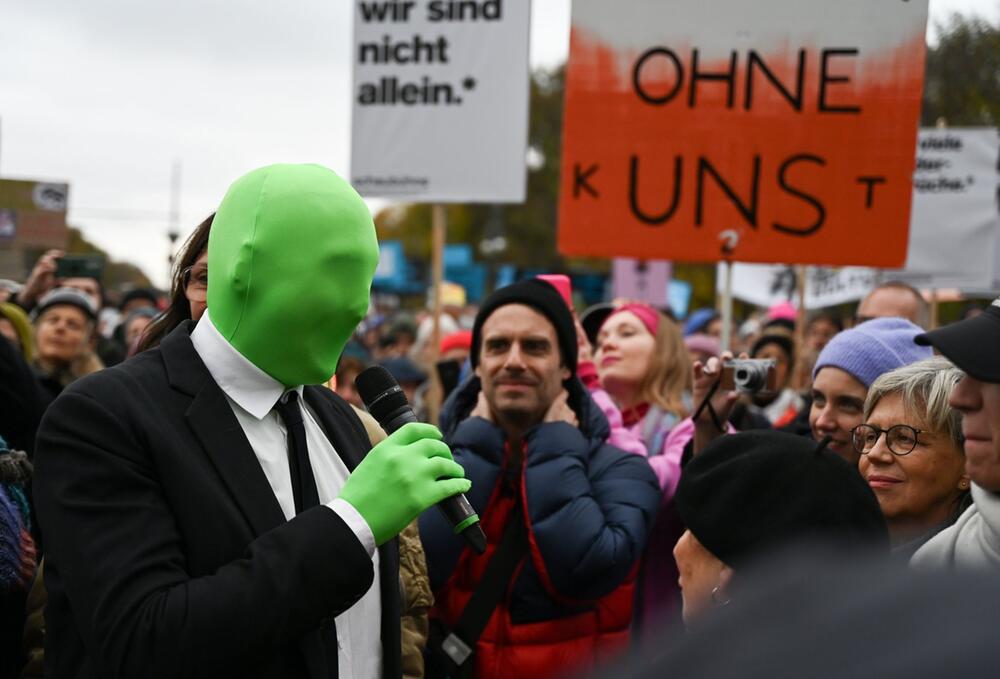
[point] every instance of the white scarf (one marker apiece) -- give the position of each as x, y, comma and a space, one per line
973, 542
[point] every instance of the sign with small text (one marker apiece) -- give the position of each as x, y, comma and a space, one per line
955, 230
440, 110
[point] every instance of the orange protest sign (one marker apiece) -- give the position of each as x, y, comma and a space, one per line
771, 131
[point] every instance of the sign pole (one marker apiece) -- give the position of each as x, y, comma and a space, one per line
727, 307
439, 225
800, 316
935, 309
173, 228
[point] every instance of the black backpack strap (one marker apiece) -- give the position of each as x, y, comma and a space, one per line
458, 644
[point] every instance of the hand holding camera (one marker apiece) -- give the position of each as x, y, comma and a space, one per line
708, 393
717, 386
52, 268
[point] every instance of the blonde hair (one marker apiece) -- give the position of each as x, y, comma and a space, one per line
924, 388
670, 374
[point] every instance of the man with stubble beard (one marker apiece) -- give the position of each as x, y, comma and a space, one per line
568, 513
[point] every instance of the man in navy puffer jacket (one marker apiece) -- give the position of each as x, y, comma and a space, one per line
534, 446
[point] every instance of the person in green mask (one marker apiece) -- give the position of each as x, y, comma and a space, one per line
206, 512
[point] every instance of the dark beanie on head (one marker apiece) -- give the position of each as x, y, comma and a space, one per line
750, 493
786, 343
544, 299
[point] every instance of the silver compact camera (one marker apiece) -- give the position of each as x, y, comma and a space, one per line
749, 375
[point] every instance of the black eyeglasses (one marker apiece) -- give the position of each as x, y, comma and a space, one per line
195, 283
901, 439
198, 276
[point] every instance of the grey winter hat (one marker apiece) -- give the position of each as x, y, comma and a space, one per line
66, 296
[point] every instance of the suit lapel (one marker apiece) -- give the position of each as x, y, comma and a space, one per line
212, 420
215, 425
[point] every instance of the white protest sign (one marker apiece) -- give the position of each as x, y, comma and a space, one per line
440, 99
769, 284
955, 222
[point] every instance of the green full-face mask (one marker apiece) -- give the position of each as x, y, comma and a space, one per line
291, 257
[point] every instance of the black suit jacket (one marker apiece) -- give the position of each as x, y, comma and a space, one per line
167, 554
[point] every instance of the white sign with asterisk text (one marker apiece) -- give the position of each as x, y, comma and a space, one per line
440, 100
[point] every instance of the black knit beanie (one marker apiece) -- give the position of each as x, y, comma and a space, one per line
749, 493
786, 343
542, 297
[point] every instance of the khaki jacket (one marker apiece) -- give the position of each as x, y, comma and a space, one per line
414, 584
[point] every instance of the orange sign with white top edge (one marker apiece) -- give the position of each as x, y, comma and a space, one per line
765, 131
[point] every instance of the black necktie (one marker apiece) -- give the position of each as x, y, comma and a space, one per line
306, 496
303, 484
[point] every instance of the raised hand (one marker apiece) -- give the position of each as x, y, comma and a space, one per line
559, 410
705, 377
42, 278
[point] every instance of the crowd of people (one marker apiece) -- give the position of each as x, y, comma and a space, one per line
626, 484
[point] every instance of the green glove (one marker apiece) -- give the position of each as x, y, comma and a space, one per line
401, 477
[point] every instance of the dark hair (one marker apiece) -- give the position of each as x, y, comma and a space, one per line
179, 309
830, 316
349, 363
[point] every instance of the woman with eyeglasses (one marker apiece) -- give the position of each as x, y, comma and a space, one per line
911, 451
846, 369
189, 288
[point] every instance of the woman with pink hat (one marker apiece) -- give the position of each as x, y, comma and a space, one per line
641, 377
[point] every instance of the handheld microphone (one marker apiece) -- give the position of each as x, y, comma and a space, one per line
385, 401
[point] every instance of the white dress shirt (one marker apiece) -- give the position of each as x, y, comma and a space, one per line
252, 394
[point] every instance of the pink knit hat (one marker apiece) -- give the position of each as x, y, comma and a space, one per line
649, 316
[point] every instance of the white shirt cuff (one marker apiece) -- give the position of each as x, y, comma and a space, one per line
352, 517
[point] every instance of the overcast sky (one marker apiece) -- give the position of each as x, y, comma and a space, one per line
106, 94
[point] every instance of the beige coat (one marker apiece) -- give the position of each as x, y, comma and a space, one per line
415, 586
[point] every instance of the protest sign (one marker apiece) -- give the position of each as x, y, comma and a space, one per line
641, 280
440, 99
955, 228
775, 130
768, 284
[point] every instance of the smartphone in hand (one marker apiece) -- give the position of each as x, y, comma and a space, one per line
80, 266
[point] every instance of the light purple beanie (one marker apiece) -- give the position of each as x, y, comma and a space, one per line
873, 348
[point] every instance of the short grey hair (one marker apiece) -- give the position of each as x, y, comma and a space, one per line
924, 387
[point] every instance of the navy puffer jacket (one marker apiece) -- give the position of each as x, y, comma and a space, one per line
589, 509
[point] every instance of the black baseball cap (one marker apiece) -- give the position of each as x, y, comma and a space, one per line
786, 343
593, 318
970, 344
